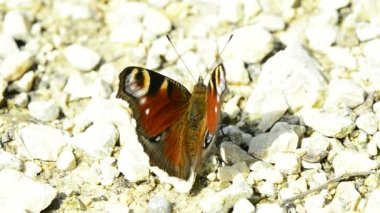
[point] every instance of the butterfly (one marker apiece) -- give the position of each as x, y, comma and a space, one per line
175, 127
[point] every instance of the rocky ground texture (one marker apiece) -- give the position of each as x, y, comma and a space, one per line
302, 116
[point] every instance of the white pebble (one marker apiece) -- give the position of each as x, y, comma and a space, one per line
8, 45
156, 22
25, 83
31, 169
243, 205
367, 31
226, 198
314, 203
371, 48
66, 160
98, 140
42, 142
43, 110
368, 123
263, 146
373, 203
15, 65
128, 33
345, 93
108, 171
341, 57
265, 171
230, 11
288, 163
22, 99
20, 193
15, 25
316, 145
346, 198
9, 161
269, 207
266, 189
81, 57
330, 124
358, 163
159, 204
236, 73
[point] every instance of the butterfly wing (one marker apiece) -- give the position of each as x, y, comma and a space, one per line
216, 87
156, 101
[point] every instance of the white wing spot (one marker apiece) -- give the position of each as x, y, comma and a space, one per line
216, 109
147, 111
142, 101
217, 99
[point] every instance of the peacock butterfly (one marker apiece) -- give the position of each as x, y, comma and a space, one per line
175, 127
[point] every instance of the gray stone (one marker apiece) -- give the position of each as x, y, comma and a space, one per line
232, 153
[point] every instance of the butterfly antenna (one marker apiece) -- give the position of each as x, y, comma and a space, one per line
170, 41
218, 56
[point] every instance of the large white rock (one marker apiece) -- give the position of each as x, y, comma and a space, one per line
98, 140
223, 200
358, 162
15, 65
42, 142
15, 25
43, 110
291, 73
345, 93
81, 57
255, 48
265, 145
373, 203
19, 193
368, 122
330, 124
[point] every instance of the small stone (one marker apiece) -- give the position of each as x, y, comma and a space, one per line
108, 73
232, 153
266, 189
128, 33
108, 172
8, 45
314, 203
43, 110
86, 85
372, 148
316, 147
236, 72
32, 169
228, 173
255, 49
367, 31
269, 207
243, 205
98, 140
358, 163
15, 25
81, 57
321, 32
251, 8
42, 142
180, 185
341, 57
265, 171
156, 22
76, 10
346, 198
21, 100
288, 163
212, 176
373, 203
371, 48
271, 22
9, 161
231, 108
328, 5
25, 83
66, 160
330, 124
230, 11
368, 123
223, 200
345, 93
376, 139
159, 204
263, 146
20, 193
15, 65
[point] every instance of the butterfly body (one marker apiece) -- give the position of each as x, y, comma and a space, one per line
176, 128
